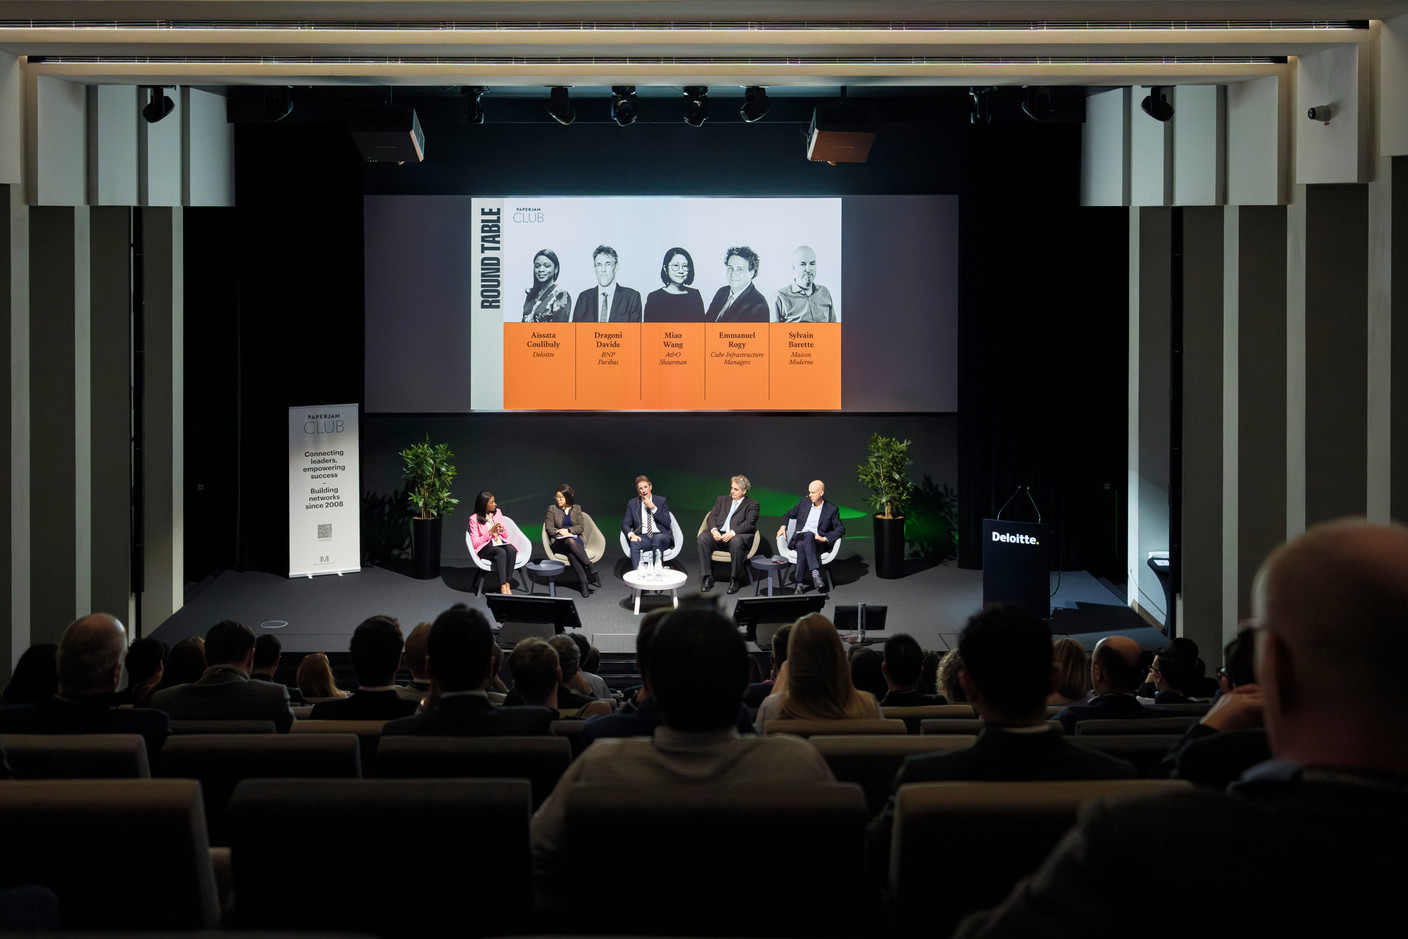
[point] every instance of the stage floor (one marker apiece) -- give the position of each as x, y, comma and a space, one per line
931, 602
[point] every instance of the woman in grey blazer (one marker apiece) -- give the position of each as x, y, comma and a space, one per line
564, 527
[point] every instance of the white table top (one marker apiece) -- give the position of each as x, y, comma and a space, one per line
669, 579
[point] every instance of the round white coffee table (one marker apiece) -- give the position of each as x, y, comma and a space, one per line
670, 580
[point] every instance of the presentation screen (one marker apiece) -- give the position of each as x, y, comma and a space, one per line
661, 303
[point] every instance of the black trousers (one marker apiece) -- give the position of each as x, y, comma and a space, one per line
501, 558
737, 548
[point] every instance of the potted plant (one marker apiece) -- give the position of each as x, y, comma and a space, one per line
429, 469
886, 474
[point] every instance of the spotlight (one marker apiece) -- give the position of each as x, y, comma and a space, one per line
696, 105
1156, 105
559, 107
157, 107
982, 106
474, 101
623, 104
755, 104
278, 103
1037, 103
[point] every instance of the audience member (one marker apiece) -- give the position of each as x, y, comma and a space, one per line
89, 663
697, 672
929, 673
376, 658
225, 691
904, 661
36, 676
1114, 675
316, 681
777, 657
1007, 672
1314, 838
817, 683
1174, 675
567, 659
460, 662
587, 682
948, 676
267, 653
185, 663
867, 667
1072, 673
419, 685
144, 664
537, 676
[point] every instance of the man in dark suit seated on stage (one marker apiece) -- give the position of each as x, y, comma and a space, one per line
226, 692
1008, 670
376, 658
89, 668
818, 526
460, 660
730, 527
904, 660
1310, 842
1115, 676
647, 522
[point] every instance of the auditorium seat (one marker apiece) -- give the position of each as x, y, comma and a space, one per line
388, 857
368, 734
223, 727
961, 725
738, 861
220, 761
593, 541
122, 854
1196, 708
912, 716
1143, 750
1136, 725
572, 731
1002, 831
801, 728
516, 538
540, 760
76, 756
873, 760
302, 712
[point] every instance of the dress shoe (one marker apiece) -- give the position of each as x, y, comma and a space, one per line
816, 581
732, 587
594, 579
706, 584
585, 591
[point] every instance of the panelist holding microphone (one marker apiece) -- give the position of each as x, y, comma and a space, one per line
818, 525
647, 522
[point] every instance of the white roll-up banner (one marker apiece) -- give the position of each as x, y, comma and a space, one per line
324, 507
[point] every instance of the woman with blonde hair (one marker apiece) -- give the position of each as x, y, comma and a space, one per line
816, 679
1072, 672
315, 679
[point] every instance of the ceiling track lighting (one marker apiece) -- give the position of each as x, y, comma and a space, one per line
158, 105
1155, 104
474, 102
624, 109
696, 105
278, 103
755, 104
560, 106
982, 106
1038, 104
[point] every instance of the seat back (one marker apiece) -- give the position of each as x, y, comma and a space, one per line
697, 839
368, 735
220, 761
670, 553
1006, 828
872, 760
84, 839
540, 760
466, 870
1144, 751
223, 727
803, 728
76, 756
1136, 725
913, 716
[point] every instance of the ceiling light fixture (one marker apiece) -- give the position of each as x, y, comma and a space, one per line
623, 104
755, 104
696, 105
560, 106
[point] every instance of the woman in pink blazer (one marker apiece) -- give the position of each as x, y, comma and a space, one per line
489, 536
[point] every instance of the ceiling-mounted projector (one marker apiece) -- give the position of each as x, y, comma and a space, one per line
389, 135
842, 134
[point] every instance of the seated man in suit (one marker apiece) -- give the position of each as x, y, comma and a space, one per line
267, 653
647, 522
818, 525
698, 671
461, 663
1008, 670
225, 691
89, 667
568, 662
1317, 832
1114, 675
608, 302
376, 658
904, 660
730, 527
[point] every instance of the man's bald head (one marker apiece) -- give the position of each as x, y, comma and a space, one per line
1331, 607
1114, 665
90, 656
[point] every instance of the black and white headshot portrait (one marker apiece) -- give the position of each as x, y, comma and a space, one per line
740, 301
677, 301
804, 300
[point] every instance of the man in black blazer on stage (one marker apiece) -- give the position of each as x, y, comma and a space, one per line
608, 301
730, 527
647, 523
460, 659
818, 527
740, 301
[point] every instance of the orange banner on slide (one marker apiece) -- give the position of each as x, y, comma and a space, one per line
804, 362
672, 366
540, 366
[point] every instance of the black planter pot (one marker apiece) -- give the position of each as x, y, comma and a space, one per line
425, 548
889, 547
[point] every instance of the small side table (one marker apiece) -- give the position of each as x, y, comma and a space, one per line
671, 581
770, 569
546, 570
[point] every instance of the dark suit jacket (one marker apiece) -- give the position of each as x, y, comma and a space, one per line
473, 716
632, 521
745, 520
1121, 706
829, 527
97, 715
750, 307
224, 693
625, 306
364, 706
